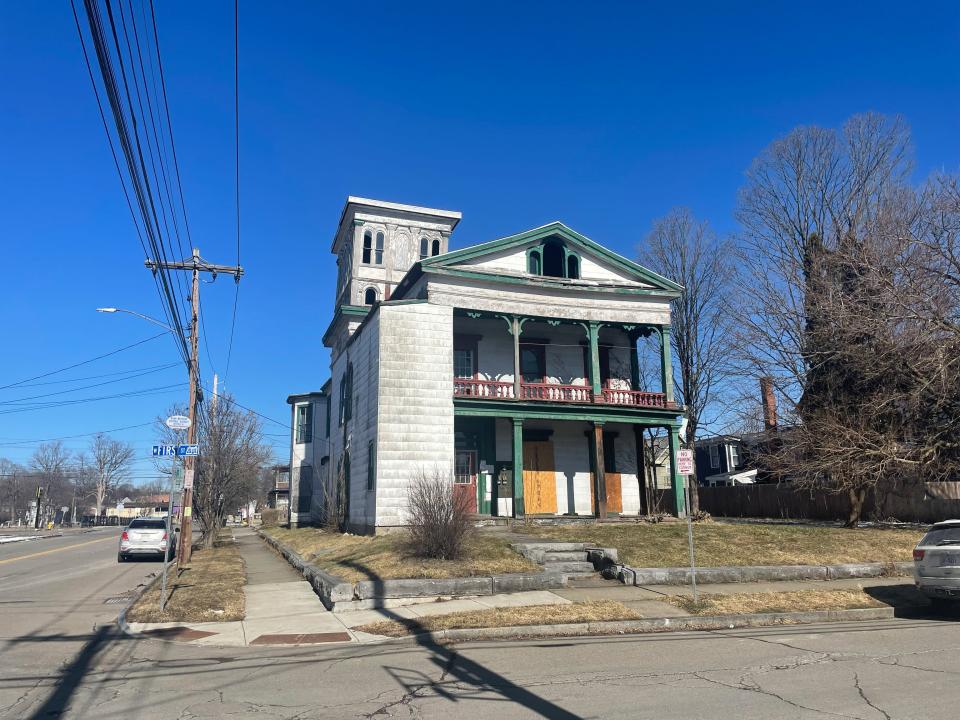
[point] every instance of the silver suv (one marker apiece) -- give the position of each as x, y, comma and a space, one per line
936, 563
146, 537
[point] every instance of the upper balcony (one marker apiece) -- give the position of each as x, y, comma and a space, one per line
512, 358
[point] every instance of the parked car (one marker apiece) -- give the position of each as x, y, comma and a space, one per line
146, 537
936, 563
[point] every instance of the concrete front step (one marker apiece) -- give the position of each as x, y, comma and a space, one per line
552, 557
569, 567
551, 546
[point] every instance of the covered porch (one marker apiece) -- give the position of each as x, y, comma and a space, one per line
532, 464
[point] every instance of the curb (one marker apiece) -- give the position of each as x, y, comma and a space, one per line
641, 577
650, 625
122, 617
338, 595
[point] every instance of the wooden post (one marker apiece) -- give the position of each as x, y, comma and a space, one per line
676, 479
515, 329
593, 335
518, 467
644, 486
666, 363
599, 480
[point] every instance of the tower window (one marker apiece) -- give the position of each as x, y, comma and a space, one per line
372, 251
436, 247
367, 247
370, 296
424, 248
535, 262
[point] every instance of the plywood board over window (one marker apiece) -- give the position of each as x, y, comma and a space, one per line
539, 478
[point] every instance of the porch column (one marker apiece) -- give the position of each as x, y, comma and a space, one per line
642, 471
634, 361
599, 480
666, 363
515, 329
676, 479
517, 467
593, 336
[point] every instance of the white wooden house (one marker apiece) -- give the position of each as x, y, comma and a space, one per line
511, 366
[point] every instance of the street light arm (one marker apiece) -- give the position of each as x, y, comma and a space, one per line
139, 315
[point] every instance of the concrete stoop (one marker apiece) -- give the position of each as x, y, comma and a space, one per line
338, 595
572, 558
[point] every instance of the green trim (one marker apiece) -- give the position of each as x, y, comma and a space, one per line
518, 467
593, 337
542, 233
342, 310
546, 281
666, 362
676, 479
565, 411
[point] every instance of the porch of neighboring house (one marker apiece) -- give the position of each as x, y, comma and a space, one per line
549, 415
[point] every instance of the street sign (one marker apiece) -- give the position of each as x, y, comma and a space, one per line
188, 451
685, 462
178, 422
164, 450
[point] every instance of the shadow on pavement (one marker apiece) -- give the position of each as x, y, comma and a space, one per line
457, 669
908, 602
73, 675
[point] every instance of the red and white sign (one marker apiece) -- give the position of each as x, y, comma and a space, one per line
685, 462
188, 479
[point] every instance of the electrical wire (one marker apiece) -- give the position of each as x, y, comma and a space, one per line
82, 362
73, 437
159, 390
236, 129
18, 401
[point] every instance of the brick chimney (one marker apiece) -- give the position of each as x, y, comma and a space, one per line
769, 403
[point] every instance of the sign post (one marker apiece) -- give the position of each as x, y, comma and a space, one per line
685, 468
175, 423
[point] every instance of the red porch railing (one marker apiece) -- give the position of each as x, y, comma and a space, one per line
482, 389
634, 397
551, 392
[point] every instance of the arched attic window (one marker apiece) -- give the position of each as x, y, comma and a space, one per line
554, 259
370, 296
436, 247
424, 248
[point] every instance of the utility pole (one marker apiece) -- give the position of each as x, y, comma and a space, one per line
195, 265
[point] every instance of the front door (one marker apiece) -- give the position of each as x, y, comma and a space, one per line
539, 478
465, 478
611, 477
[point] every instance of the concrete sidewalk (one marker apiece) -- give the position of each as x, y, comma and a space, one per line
282, 608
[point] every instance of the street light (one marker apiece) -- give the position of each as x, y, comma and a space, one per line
139, 315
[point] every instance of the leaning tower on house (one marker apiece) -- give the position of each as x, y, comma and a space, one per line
525, 369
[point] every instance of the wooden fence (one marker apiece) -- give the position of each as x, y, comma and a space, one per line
916, 504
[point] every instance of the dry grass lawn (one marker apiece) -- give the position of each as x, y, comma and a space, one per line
582, 612
210, 589
665, 544
776, 602
385, 557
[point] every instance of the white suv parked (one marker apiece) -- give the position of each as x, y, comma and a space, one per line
936, 563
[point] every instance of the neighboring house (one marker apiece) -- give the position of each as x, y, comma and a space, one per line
723, 460
144, 506
511, 366
309, 455
279, 495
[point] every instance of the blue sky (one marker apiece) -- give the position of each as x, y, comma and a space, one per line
602, 116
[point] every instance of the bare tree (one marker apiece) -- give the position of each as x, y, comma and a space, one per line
232, 455
687, 251
51, 465
849, 305
13, 492
439, 516
110, 463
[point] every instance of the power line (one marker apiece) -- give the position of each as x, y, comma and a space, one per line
73, 437
227, 398
159, 390
103, 375
236, 129
17, 401
83, 362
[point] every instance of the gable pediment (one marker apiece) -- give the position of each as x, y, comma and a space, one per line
510, 257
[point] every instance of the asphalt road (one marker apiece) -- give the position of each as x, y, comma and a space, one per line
60, 660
